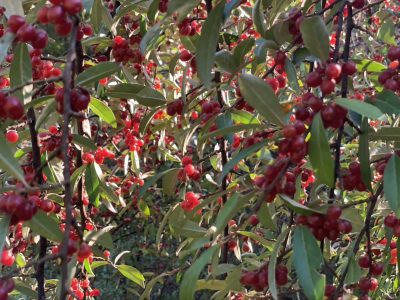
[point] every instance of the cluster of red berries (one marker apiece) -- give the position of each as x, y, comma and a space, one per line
326, 77
175, 107
294, 144
258, 280
352, 178
50, 140
163, 6
390, 78
27, 33
19, 207
190, 202
189, 170
10, 107
332, 115
82, 288
101, 154
209, 109
42, 69
123, 52
375, 268
80, 99
286, 185
58, 14
131, 134
326, 226
188, 27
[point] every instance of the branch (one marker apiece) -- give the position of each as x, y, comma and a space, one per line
373, 199
67, 80
42, 81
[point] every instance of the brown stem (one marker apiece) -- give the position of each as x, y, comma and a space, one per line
67, 80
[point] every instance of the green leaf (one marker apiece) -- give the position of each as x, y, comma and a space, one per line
5, 43
259, 95
145, 121
149, 38
230, 208
245, 117
4, 223
363, 154
188, 284
291, 75
354, 272
21, 72
307, 258
242, 49
386, 134
25, 289
363, 108
47, 111
101, 236
181, 7
320, 154
386, 32
152, 180
241, 155
103, 111
46, 226
265, 243
140, 93
265, 216
84, 142
8, 162
258, 17
391, 186
100, 15
369, 66
315, 36
169, 183
132, 274
92, 183
388, 102
205, 52
272, 264
297, 207
97, 72
226, 61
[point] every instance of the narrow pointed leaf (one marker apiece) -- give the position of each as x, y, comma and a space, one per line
315, 36
391, 187
97, 72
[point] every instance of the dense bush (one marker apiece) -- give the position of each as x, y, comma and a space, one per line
165, 149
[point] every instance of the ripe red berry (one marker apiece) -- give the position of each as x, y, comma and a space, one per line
189, 169
47, 205
73, 6
185, 55
13, 108
56, 14
254, 220
84, 251
376, 269
333, 212
12, 136
7, 258
364, 261
358, 4
186, 160
393, 53
328, 86
390, 220
15, 22
333, 70
313, 79
349, 68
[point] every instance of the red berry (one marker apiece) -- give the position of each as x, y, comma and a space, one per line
364, 261
186, 160
358, 4
313, 79
84, 251
328, 86
376, 269
7, 258
390, 221
12, 136
254, 220
333, 212
333, 70
349, 68
13, 108
73, 6
190, 169
15, 22
185, 55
